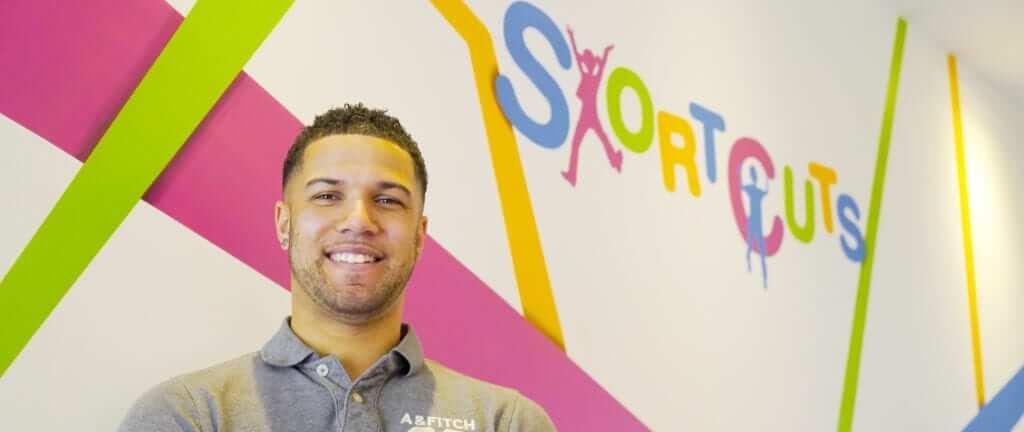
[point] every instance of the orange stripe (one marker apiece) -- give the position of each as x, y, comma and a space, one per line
965, 215
520, 226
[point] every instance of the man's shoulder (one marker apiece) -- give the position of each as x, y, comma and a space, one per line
183, 399
448, 379
218, 376
221, 375
513, 410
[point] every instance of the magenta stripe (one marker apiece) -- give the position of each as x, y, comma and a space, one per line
223, 184
66, 73
466, 326
68, 66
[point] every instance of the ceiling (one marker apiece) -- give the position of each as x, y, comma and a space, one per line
986, 36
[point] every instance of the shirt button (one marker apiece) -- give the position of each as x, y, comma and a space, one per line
322, 370
357, 397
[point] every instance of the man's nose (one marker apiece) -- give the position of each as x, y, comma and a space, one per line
358, 219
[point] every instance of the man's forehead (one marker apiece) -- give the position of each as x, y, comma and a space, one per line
357, 149
355, 146
357, 153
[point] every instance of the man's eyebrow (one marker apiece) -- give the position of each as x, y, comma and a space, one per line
384, 184
393, 185
329, 181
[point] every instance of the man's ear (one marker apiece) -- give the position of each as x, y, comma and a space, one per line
421, 234
283, 223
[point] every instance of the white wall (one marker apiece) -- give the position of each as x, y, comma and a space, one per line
993, 134
651, 286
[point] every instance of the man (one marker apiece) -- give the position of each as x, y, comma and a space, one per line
352, 223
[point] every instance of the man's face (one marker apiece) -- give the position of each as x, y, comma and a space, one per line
352, 218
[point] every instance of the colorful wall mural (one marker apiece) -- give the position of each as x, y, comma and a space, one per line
661, 217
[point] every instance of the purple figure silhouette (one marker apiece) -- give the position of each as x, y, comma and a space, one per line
591, 67
755, 235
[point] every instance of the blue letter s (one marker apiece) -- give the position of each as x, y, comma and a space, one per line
854, 253
520, 16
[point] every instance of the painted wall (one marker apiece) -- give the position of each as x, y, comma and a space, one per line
664, 327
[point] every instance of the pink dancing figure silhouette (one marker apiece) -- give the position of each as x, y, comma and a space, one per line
591, 68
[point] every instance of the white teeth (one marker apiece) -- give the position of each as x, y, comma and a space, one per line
351, 258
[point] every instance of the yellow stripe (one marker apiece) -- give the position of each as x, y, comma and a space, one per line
520, 225
965, 214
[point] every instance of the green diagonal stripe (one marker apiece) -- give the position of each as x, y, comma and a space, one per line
864, 284
195, 68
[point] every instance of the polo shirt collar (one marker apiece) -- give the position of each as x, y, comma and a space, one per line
409, 350
285, 349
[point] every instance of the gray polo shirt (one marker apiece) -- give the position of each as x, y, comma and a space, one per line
287, 387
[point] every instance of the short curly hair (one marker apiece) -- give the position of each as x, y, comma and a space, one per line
358, 120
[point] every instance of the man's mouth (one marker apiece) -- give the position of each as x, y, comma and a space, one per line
353, 254
352, 258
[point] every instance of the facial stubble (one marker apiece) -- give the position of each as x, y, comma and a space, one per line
313, 279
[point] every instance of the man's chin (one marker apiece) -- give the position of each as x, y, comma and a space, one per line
360, 311
358, 298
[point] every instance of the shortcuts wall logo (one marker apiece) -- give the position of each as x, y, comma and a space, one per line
671, 128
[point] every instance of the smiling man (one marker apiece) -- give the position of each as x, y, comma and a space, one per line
351, 221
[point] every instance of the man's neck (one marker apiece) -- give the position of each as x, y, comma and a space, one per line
357, 346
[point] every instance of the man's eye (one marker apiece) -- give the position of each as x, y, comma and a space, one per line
325, 196
389, 202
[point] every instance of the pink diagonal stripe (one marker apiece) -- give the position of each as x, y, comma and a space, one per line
68, 67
